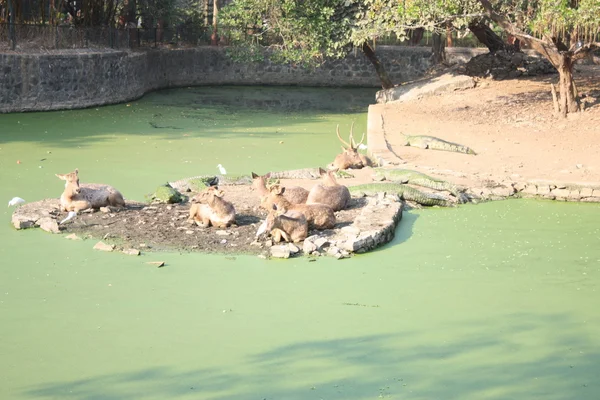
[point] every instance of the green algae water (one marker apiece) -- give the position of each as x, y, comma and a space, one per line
489, 301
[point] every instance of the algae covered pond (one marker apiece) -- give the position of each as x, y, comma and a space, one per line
493, 301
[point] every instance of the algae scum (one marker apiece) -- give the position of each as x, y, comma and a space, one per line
494, 301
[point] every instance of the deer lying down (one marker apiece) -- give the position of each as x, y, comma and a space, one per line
290, 226
209, 208
350, 157
329, 192
318, 216
78, 197
294, 194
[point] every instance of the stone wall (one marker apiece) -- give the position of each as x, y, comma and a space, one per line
71, 79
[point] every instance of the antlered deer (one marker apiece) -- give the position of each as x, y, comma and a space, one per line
78, 197
290, 226
350, 157
209, 208
318, 216
329, 192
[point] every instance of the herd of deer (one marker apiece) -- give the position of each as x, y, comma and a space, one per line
291, 210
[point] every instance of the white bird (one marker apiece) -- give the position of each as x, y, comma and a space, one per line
261, 229
362, 146
222, 170
70, 216
16, 201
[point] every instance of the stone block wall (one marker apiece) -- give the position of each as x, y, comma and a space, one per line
73, 79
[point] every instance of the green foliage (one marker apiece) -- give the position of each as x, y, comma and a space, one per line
308, 32
304, 33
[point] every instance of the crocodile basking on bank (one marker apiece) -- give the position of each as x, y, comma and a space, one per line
418, 179
433, 143
405, 192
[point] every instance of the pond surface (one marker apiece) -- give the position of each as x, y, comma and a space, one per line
493, 301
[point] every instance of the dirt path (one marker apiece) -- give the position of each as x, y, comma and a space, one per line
511, 126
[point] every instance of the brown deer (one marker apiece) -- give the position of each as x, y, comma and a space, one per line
78, 197
329, 192
318, 216
209, 208
350, 157
290, 226
294, 194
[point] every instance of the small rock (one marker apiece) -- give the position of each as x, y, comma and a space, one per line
48, 224
222, 233
308, 247
131, 252
320, 242
262, 256
189, 232
223, 241
256, 243
334, 252
104, 247
280, 251
143, 245
293, 248
157, 264
22, 223
105, 209
269, 243
72, 236
579, 166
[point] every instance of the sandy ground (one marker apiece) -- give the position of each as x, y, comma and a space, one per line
510, 124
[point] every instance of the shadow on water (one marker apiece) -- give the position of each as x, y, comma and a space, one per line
175, 114
491, 360
404, 231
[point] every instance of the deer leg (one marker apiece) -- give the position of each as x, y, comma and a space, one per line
276, 235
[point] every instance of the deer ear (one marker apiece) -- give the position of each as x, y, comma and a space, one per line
254, 176
76, 171
61, 176
220, 193
282, 190
344, 149
322, 171
267, 175
275, 207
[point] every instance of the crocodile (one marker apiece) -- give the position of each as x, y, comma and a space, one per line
419, 179
194, 183
304, 173
405, 192
433, 143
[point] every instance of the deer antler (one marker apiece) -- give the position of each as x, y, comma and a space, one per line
352, 143
337, 131
359, 143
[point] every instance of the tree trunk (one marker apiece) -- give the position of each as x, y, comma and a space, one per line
416, 36
11, 25
449, 39
567, 96
206, 7
487, 36
214, 40
386, 83
438, 49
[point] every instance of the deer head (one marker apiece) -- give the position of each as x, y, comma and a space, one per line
208, 195
259, 183
350, 157
71, 181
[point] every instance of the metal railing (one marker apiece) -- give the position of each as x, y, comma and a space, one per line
27, 37
30, 37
